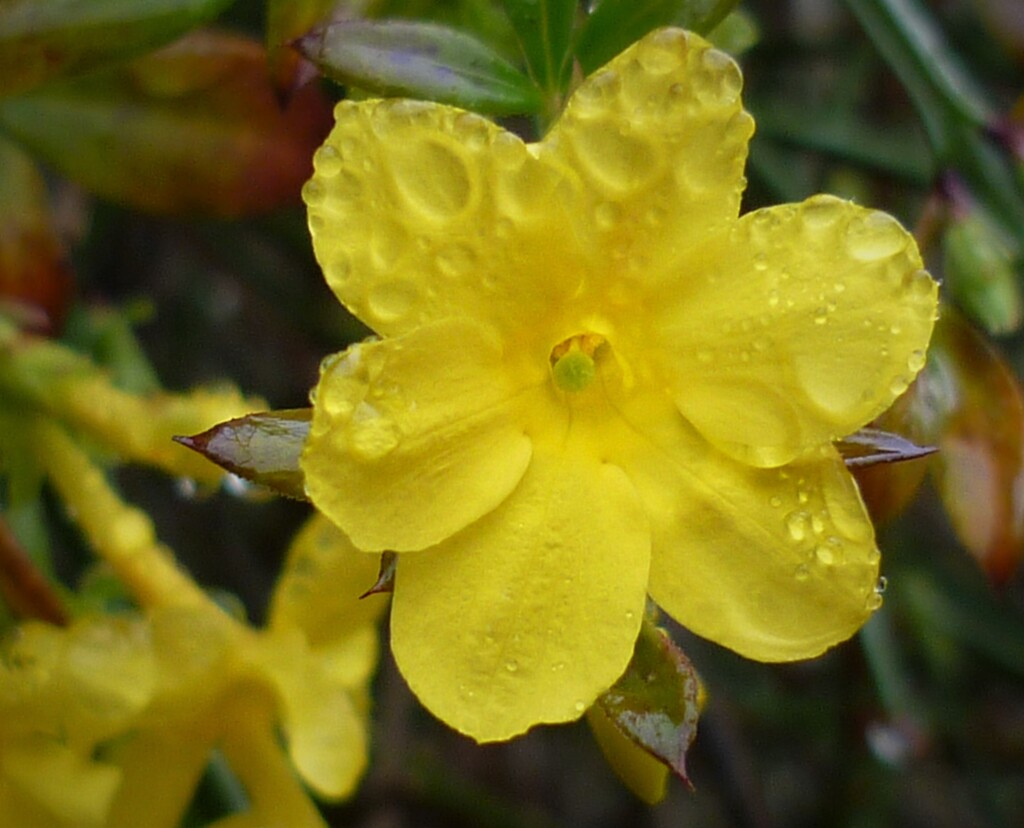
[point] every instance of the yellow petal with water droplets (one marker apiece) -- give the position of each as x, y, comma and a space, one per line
659, 139
318, 591
530, 613
775, 564
797, 328
415, 437
420, 212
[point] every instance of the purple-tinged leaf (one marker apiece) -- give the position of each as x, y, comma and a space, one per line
655, 702
872, 446
262, 448
420, 60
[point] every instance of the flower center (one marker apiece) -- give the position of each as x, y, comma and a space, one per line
572, 361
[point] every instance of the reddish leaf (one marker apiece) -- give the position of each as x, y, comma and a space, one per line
35, 275
386, 577
655, 702
972, 398
263, 448
193, 127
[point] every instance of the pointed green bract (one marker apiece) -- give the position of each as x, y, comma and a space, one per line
420, 60
262, 448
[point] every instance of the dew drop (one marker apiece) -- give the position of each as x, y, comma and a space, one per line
312, 192
921, 284
327, 161
390, 301
723, 82
339, 270
875, 236
372, 435
916, 361
824, 555
873, 602
796, 525
512, 665
558, 667
580, 706
898, 386
760, 262
455, 260
802, 572
881, 585
775, 501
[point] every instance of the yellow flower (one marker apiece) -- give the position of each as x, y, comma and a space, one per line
112, 721
595, 382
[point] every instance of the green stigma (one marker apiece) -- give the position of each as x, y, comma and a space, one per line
574, 371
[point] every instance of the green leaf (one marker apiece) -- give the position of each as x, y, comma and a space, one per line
978, 266
655, 702
951, 107
420, 60
615, 24
42, 40
544, 30
872, 446
262, 448
193, 127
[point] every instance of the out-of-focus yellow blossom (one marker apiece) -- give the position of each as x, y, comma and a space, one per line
596, 381
41, 376
112, 721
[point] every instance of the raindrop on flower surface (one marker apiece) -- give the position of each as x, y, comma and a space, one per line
873, 602
802, 572
512, 665
580, 706
875, 236
882, 584
796, 525
915, 361
824, 555
327, 161
391, 301
372, 435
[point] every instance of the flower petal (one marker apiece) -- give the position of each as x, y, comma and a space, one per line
319, 590
659, 138
413, 438
529, 614
775, 564
803, 324
420, 212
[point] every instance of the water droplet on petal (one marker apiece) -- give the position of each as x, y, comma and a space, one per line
898, 386
916, 361
882, 584
512, 665
389, 301
722, 83
371, 435
802, 572
824, 555
875, 236
327, 161
580, 706
775, 501
796, 525
873, 602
